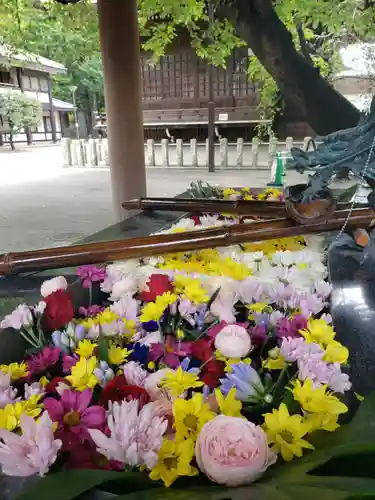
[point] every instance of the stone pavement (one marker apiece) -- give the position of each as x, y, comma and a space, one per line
43, 204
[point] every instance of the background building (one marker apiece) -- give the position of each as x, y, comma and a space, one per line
31, 75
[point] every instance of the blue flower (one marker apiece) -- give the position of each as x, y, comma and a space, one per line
185, 363
140, 353
246, 380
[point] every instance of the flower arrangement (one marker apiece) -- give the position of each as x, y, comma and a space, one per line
220, 364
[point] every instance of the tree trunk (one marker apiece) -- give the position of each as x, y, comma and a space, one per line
301, 85
12, 146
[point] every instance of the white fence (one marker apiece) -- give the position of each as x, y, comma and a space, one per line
255, 154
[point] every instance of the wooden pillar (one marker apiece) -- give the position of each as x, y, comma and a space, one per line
52, 110
29, 135
120, 46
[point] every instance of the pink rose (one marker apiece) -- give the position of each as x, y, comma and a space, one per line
233, 341
233, 451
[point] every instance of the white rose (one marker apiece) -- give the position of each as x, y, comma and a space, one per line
233, 341
51, 286
121, 288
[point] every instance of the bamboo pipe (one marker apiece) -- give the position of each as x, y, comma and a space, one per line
202, 205
76, 255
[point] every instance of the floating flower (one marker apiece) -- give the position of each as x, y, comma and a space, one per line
104, 373
86, 348
10, 415
336, 353
135, 436
174, 460
44, 360
170, 352
157, 285
75, 416
82, 375
116, 355
152, 384
153, 311
233, 451
118, 389
211, 372
16, 370
318, 331
59, 310
32, 452
190, 416
90, 274
179, 381
285, 433
50, 286
233, 341
20, 317
191, 289
134, 373
228, 405
317, 400
34, 389
245, 380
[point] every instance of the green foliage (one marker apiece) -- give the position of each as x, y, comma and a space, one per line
69, 34
19, 111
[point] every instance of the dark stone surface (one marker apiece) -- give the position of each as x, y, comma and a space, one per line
352, 273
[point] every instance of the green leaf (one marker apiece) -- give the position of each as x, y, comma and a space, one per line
69, 484
347, 195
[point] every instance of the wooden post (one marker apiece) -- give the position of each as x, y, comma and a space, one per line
180, 152
254, 152
239, 159
224, 152
150, 156
194, 152
165, 152
51, 110
120, 46
29, 135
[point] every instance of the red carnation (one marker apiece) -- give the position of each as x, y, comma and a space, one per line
118, 390
51, 386
157, 284
59, 310
202, 349
211, 373
196, 220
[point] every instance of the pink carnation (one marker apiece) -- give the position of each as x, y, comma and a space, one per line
233, 451
134, 374
31, 453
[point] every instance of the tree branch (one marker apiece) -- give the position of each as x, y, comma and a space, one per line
305, 49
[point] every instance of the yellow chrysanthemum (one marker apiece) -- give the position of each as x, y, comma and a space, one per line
178, 381
229, 405
82, 376
153, 311
191, 289
336, 353
15, 370
229, 192
317, 400
44, 381
129, 328
107, 317
190, 415
117, 356
11, 414
174, 461
322, 422
318, 331
86, 348
285, 432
